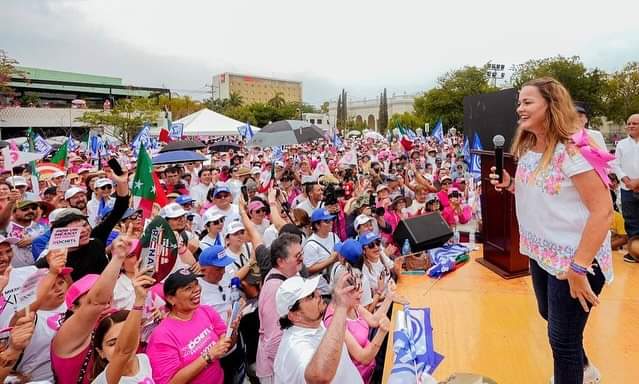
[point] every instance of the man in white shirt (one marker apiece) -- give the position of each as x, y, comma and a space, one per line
200, 190
314, 195
101, 200
627, 169
213, 261
308, 352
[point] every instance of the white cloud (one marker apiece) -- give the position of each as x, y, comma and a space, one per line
361, 45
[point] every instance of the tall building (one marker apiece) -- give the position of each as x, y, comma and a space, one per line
255, 89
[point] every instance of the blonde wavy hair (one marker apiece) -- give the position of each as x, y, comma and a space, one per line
560, 124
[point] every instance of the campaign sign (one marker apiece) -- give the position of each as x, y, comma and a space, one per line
159, 248
64, 238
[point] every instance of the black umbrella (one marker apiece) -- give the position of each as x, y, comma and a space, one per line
287, 132
223, 146
183, 145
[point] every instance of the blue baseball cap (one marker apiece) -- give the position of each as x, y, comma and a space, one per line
321, 214
367, 238
220, 189
214, 256
184, 199
351, 250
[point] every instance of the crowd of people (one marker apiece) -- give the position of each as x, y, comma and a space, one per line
304, 234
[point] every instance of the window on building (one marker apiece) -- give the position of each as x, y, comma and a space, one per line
312, 121
319, 121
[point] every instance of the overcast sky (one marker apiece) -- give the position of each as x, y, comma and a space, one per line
363, 46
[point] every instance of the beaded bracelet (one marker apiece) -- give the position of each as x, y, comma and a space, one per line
580, 270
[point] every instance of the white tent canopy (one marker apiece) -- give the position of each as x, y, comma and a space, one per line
208, 123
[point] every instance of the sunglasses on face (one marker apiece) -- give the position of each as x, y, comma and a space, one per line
374, 244
133, 217
222, 195
261, 210
217, 222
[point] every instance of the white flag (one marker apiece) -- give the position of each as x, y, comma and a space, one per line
349, 158
13, 157
321, 168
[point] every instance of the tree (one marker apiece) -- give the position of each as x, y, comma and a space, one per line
585, 85
180, 106
383, 113
324, 107
338, 118
7, 71
445, 101
126, 118
406, 119
277, 101
344, 108
622, 93
235, 100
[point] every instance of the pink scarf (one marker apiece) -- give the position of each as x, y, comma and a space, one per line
598, 158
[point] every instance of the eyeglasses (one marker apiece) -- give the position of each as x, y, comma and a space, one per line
374, 244
133, 217
222, 195
106, 187
261, 210
217, 222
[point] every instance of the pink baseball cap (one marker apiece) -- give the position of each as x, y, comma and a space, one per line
79, 288
255, 205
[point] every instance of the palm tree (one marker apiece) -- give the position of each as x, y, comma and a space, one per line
235, 100
277, 101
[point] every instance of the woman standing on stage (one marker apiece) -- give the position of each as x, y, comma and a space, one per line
564, 212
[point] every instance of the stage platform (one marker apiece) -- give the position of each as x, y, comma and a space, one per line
487, 325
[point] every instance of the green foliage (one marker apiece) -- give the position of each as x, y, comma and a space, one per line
353, 125
586, 85
382, 125
324, 107
7, 71
445, 101
406, 119
277, 101
622, 93
180, 106
127, 117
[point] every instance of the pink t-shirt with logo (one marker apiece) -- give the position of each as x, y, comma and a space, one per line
174, 344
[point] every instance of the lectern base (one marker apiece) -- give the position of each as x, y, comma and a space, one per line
501, 272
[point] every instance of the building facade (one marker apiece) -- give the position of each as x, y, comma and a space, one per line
321, 120
255, 89
367, 110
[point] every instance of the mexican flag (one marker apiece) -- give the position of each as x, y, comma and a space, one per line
60, 156
146, 185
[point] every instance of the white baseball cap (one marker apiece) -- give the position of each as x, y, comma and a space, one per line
212, 215
72, 192
10, 240
171, 211
360, 220
291, 290
382, 187
103, 181
234, 227
57, 174
17, 181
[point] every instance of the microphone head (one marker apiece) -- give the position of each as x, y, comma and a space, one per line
499, 141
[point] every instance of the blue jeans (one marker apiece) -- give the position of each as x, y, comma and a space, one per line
566, 321
630, 210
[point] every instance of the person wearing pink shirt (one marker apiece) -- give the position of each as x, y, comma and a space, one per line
286, 258
456, 212
187, 345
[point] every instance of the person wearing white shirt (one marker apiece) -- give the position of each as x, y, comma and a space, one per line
309, 352
627, 169
314, 200
318, 250
215, 293
257, 212
200, 190
214, 224
101, 199
222, 200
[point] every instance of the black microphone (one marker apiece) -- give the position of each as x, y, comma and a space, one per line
498, 142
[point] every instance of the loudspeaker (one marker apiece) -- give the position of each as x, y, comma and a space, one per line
423, 232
